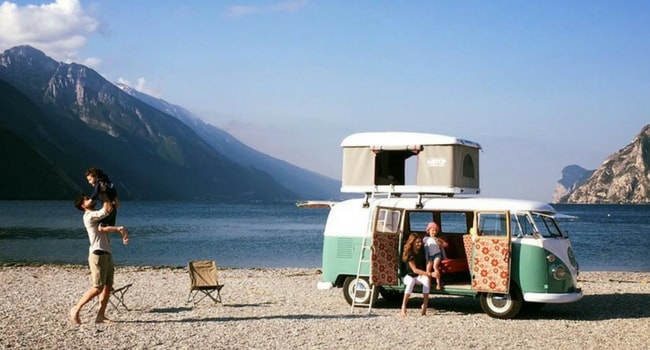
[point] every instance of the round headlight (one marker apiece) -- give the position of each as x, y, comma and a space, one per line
559, 272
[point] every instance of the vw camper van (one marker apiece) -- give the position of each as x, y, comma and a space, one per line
507, 253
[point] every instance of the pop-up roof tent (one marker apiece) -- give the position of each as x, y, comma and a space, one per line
376, 162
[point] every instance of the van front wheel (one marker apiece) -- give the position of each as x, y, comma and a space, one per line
502, 305
358, 290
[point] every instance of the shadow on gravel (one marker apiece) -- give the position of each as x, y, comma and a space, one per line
256, 318
597, 307
171, 310
187, 308
589, 308
248, 305
459, 305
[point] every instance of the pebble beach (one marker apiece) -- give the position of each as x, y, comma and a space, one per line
281, 308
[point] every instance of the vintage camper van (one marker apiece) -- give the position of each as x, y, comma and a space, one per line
508, 253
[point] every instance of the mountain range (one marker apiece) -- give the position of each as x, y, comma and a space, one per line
623, 178
58, 119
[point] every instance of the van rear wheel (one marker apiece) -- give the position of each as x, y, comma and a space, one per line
503, 306
358, 290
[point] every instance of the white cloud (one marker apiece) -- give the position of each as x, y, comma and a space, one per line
286, 6
143, 86
59, 28
237, 11
91, 62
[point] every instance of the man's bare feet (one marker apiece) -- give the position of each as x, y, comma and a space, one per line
74, 316
424, 310
403, 313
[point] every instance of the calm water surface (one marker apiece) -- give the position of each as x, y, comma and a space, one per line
605, 237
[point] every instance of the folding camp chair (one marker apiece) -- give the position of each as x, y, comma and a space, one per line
118, 295
203, 278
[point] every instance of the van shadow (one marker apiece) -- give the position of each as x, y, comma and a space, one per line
589, 308
597, 307
459, 305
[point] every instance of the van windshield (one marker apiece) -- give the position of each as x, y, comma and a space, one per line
546, 225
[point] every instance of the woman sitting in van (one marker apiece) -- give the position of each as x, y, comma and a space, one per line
416, 272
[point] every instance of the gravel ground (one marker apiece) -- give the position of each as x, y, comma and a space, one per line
281, 308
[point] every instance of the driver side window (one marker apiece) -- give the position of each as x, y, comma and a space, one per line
521, 225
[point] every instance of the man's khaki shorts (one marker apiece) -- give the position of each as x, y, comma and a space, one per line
101, 270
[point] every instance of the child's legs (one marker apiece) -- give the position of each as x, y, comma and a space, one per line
109, 220
436, 267
436, 264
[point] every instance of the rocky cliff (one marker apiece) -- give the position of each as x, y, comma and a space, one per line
572, 177
624, 177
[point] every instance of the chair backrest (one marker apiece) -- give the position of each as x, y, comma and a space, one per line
203, 273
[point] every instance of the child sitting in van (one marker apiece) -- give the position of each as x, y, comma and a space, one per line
433, 251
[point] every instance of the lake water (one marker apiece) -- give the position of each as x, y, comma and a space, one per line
605, 237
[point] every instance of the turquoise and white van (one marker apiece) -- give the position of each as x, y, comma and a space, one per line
508, 253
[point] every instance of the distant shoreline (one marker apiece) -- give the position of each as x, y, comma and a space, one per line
144, 267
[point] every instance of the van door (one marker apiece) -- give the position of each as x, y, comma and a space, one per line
491, 268
385, 246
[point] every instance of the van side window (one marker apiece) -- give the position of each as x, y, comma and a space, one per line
546, 225
492, 224
388, 220
418, 221
451, 222
521, 225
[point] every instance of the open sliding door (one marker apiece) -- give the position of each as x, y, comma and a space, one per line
385, 246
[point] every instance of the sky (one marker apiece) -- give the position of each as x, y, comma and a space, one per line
540, 85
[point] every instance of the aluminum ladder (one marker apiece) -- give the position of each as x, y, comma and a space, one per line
365, 257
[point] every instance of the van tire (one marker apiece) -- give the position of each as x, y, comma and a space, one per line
504, 306
363, 291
